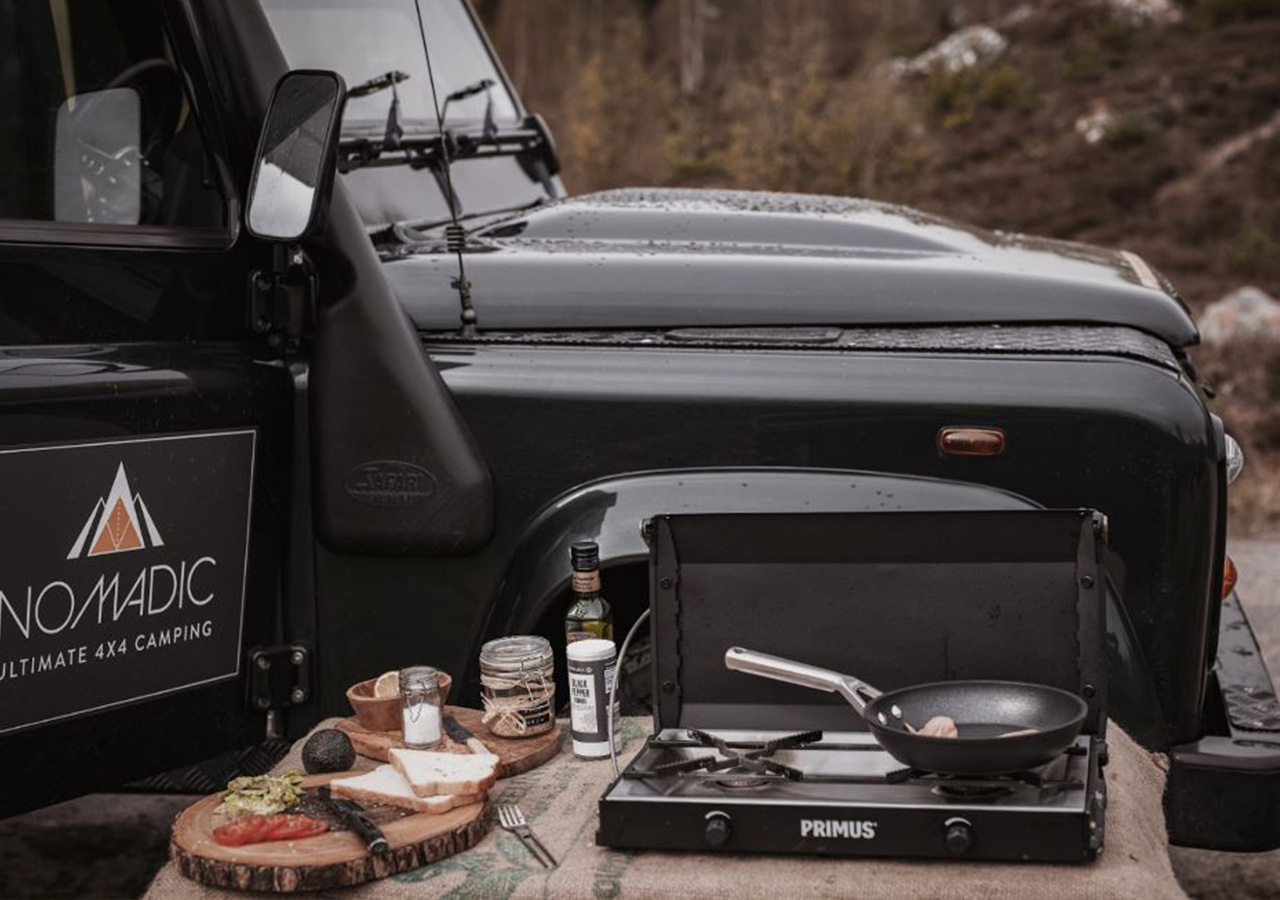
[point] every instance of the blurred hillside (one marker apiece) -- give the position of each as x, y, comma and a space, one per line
1147, 124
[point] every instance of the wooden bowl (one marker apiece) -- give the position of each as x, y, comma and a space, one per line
383, 713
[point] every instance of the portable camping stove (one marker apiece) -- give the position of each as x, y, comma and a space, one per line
743, 764
841, 794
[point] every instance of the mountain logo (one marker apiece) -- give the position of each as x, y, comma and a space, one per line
119, 523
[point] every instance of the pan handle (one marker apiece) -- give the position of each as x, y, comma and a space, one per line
858, 693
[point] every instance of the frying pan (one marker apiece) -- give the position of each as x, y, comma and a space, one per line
1040, 721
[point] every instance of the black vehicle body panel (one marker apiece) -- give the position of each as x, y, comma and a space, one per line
675, 408
1083, 432
110, 333
84, 392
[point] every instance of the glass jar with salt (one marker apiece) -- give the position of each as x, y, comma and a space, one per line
420, 707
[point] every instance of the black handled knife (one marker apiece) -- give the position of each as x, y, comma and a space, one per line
351, 815
458, 732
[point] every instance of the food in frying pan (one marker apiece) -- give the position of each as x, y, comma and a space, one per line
945, 727
940, 726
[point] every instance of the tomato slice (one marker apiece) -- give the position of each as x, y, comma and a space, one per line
245, 830
294, 827
279, 827
314, 829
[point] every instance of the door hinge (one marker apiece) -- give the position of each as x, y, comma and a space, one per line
279, 676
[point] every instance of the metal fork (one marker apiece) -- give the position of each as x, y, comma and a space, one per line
512, 819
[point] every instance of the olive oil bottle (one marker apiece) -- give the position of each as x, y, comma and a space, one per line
589, 615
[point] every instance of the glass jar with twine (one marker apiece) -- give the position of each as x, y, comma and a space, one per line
518, 686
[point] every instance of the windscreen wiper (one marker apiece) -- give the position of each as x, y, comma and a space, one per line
394, 131
421, 147
380, 83
480, 87
427, 231
422, 150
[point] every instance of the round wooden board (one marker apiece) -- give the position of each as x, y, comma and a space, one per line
517, 754
335, 859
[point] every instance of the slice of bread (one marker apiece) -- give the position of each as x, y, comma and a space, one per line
431, 774
386, 786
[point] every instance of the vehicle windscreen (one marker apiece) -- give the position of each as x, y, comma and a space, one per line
365, 39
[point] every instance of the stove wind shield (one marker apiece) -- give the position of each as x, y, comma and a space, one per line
896, 598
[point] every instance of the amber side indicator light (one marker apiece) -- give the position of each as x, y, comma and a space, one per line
958, 440
1229, 577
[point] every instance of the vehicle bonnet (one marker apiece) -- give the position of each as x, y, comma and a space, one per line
677, 258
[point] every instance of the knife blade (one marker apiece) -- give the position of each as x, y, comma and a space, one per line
458, 732
351, 815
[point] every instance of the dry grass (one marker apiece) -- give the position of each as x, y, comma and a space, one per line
789, 97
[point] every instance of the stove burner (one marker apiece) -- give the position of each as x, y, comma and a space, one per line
742, 779
976, 790
973, 793
737, 766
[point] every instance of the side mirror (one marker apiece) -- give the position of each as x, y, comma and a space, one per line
97, 158
294, 166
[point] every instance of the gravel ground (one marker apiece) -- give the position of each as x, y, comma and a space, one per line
110, 845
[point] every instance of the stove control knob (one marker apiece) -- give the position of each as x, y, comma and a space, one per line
959, 836
718, 829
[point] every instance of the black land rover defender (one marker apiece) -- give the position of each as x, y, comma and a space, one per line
272, 422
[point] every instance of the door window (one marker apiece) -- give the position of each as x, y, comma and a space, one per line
95, 127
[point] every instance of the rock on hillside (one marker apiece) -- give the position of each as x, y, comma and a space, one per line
1246, 312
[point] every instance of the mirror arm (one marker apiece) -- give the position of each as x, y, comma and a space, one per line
282, 300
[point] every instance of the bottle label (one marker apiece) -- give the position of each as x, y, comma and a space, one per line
588, 700
582, 699
586, 582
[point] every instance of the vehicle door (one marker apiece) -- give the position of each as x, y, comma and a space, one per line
144, 431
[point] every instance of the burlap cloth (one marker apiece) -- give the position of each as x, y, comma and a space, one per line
559, 800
